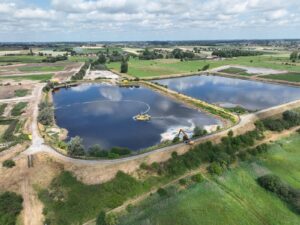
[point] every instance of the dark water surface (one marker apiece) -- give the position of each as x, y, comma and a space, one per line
103, 114
252, 95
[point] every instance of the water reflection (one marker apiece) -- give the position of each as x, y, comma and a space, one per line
102, 114
251, 95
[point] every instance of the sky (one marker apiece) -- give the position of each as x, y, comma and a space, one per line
145, 20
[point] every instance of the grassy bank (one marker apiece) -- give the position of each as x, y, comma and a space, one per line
149, 68
292, 77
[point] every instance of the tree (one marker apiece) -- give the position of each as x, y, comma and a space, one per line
124, 66
10, 207
101, 59
46, 116
101, 218
205, 67
294, 56
75, 147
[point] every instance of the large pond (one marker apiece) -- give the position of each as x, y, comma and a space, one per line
228, 92
103, 114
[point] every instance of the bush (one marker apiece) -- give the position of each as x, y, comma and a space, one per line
215, 169
183, 181
101, 218
46, 116
162, 192
205, 67
120, 151
75, 147
96, 151
288, 194
8, 163
10, 207
198, 132
198, 178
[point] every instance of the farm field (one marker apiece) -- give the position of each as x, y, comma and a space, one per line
225, 200
22, 59
292, 77
34, 77
237, 71
149, 68
41, 68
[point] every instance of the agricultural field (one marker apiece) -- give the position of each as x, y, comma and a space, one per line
33, 77
224, 200
160, 67
292, 77
22, 59
41, 68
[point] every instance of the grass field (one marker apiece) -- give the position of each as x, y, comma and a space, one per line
19, 108
237, 71
147, 68
41, 68
293, 77
22, 59
37, 77
69, 201
233, 197
21, 92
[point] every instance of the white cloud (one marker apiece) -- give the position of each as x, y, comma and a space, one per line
140, 15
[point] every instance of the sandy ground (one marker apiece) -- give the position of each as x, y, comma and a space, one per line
9, 91
106, 74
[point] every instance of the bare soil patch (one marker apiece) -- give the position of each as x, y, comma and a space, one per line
9, 91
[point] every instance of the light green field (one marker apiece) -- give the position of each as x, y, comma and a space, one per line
38, 77
148, 68
293, 77
41, 68
234, 198
22, 59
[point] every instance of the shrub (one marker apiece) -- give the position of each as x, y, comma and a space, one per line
8, 163
101, 218
288, 194
10, 207
198, 178
46, 116
183, 181
198, 132
162, 192
205, 67
215, 168
96, 151
75, 147
120, 151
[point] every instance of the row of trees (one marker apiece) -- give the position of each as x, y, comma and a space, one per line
53, 59
229, 53
288, 194
79, 75
76, 148
289, 119
160, 54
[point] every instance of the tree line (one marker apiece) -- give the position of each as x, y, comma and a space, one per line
229, 53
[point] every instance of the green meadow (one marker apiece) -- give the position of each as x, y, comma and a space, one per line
22, 59
233, 198
41, 68
35, 77
160, 67
292, 77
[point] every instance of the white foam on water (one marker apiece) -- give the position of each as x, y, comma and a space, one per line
172, 131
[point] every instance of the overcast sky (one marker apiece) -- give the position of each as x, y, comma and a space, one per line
126, 20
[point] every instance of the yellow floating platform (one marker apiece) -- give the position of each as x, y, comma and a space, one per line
142, 117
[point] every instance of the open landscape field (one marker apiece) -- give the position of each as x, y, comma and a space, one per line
224, 200
292, 77
152, 68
